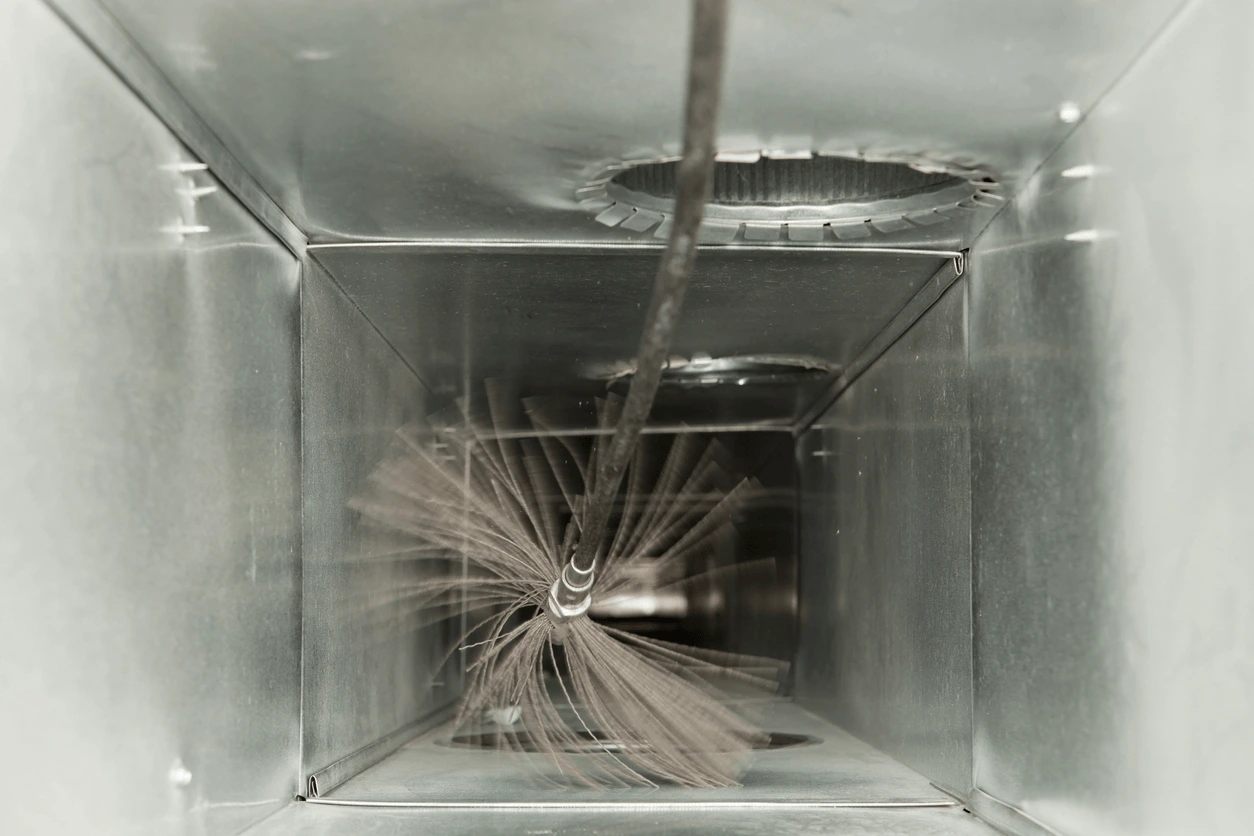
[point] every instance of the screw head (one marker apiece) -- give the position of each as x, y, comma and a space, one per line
180, 776
1069, 113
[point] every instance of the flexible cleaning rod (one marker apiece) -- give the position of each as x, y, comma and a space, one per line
571, 594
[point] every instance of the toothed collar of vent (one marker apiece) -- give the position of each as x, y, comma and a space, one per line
800, 196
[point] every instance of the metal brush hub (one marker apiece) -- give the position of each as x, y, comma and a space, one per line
571, 594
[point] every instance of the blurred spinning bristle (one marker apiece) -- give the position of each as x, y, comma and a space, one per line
504, 511
529, 516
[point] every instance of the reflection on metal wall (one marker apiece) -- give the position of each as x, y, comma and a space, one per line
1113, 448
372, 658
555, 319
149, 600
445, 120
762, 598
885, 552
746, 602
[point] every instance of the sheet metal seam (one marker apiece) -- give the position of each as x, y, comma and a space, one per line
1159, 35
303, 266
975, 679
1006, 817
897, 327
373, 326
634, 805
522, 245
334, 774
110, 41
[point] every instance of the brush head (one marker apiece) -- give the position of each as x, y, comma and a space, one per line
503, 512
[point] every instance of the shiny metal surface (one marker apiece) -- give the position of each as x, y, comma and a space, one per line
371, 660
553, 321
759, 603
116, 48
320, 820
1005, 817
436, 120
919, 304
149, 496
1113, 453
839, 770
885, 614
334, 774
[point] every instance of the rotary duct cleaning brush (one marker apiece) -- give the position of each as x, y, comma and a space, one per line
656, 711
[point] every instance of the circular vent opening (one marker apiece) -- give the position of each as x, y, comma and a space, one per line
593, 742
702, 370
798, 197
818, 181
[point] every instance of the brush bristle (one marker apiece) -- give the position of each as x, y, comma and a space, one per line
505, 510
